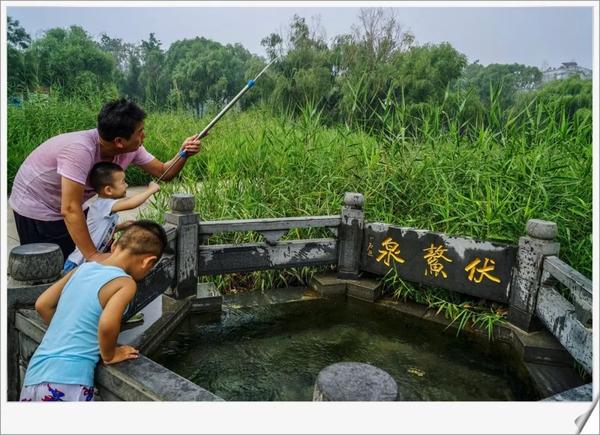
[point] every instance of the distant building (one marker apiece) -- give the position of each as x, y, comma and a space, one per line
568, 69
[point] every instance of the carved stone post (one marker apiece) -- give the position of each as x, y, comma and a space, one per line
350, 236
183, 216
31, 268
538, 243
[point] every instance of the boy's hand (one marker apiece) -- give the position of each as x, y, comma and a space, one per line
191, 146
153, 187
123, 353
123, 226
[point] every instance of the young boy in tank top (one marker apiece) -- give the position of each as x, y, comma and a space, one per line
84, 310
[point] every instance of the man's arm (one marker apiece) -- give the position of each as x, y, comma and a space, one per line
156, 168
72, 212
109, 324
46, 303
135, 200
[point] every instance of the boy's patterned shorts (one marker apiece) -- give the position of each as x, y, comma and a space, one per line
50, 392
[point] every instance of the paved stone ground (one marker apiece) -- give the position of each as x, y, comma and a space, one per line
12, 238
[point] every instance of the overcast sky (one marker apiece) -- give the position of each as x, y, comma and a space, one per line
540, 36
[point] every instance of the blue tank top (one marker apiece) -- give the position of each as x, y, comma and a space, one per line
69, 350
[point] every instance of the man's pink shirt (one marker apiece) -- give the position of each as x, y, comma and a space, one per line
36, 191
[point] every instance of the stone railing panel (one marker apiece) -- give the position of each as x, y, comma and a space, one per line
220, 259
580, 286
558, 315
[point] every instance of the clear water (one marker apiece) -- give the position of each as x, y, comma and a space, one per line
276, 352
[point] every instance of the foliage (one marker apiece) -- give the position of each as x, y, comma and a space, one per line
204, 71
16, 36
68, 60
511, 78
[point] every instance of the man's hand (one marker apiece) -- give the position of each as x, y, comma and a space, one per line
191, 146
123, 353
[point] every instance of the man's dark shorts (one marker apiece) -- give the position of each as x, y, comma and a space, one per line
35, 231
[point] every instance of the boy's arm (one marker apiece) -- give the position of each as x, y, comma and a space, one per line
109, 324
135, 200
46, 303
70, 209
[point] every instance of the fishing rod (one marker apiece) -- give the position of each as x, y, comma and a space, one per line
182, 154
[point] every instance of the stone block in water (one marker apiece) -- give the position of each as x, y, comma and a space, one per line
366, 289
328, 285
352, 381
208, 298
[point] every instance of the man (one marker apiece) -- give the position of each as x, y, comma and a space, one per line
52, 183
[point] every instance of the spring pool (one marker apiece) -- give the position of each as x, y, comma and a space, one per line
275, 352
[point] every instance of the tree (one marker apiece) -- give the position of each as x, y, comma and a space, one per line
380, 35
570, 95
273, 45
363, 63
511, 78
70, 59
152, 78
16, 36
304, 74
17, 74
132, 87
423, 73
119, 50
202, 71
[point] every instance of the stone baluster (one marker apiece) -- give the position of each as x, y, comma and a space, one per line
537, 244
182, 215
32, 268
350, 236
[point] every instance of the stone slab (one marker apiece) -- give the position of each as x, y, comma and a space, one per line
268, 297
405, 307
541, 347
577, 394
366, 289
328, 285
551, 380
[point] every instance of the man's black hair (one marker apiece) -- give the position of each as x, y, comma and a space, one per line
119, 118
102, 174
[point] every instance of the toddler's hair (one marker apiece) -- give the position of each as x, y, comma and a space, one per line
102, 174
144, 237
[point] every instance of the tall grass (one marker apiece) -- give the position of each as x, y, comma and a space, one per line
482, 178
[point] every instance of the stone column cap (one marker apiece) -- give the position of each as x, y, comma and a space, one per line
35, 262
182, 202
354, 200
540, 229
